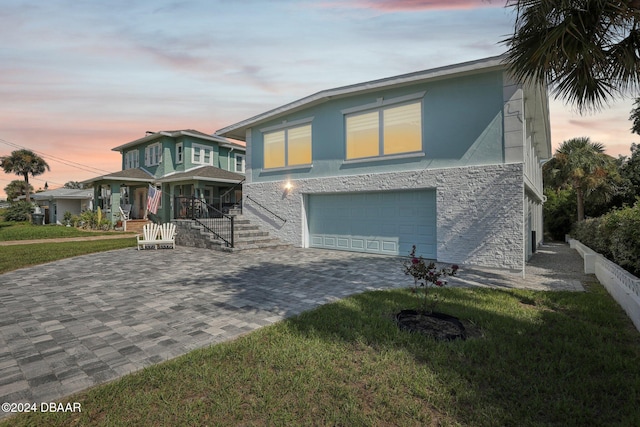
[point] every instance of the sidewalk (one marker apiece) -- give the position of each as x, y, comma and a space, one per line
67, 239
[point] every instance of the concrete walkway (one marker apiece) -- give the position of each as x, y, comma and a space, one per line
68, 239
75, 323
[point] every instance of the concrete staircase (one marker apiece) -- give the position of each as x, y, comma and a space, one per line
246, 236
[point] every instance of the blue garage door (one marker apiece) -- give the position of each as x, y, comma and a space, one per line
388, 222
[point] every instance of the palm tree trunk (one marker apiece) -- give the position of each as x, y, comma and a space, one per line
580, 203
26, 180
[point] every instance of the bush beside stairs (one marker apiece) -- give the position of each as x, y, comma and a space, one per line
246, 236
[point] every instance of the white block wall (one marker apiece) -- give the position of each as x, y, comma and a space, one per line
480, 209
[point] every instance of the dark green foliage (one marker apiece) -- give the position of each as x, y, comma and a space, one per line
18, 211
558, 213
584, 50
615, 235
630, 172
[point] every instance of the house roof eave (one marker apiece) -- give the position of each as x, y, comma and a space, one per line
238, 130
151, 137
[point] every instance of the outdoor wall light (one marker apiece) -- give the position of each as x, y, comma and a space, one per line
288, 187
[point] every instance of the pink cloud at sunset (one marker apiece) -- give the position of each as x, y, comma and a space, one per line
418, 5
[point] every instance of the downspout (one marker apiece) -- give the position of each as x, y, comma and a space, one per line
229, 158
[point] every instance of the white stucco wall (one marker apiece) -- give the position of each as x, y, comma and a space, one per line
63, 205
480, 209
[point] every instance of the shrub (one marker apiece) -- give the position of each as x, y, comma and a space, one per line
91, 221
18, 211
559, 212
615, 235
67, 218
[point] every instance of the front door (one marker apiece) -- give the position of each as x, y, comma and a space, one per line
139, 203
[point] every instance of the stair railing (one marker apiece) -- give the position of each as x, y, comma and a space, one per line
210, 218
235, 186
265, 208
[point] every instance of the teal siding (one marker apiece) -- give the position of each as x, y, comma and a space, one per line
462, 125
379, 222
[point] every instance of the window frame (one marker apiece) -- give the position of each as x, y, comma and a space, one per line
132, 159
201, 151
153, 154
239, 156
379, 107
285, 127
179, 153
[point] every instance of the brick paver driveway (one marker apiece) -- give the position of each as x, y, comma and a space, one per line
78, 322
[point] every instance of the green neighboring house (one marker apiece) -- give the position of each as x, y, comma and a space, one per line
182, 164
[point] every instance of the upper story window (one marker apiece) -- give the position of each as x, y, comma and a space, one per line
179, 152
240, 163
132, 159
153, 154
289, 145
388, 130
202, 155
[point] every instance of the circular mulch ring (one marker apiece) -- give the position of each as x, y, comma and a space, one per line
439, 326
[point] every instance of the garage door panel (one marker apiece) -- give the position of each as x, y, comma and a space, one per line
380, 222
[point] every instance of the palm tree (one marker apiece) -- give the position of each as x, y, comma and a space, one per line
581, 165
15, 189
585, 50
24, 163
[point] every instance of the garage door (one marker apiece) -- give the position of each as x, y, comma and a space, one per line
387, 222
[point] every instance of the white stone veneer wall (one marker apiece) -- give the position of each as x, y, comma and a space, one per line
480, 209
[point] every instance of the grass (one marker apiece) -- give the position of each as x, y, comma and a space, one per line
26, 231
537, 359
19, 256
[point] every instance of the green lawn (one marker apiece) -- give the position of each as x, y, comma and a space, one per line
536, 359
19, 256
26, 231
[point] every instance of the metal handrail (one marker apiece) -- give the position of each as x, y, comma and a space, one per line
194, 209
230, 190
266, 209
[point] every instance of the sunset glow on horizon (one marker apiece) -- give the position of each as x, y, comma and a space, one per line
77, 79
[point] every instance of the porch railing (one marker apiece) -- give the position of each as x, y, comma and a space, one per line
213, 220
235, 187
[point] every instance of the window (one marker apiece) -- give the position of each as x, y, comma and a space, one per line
391, 130
131, 159
179, 152
202, 155
240, 163
288, 147
152, 155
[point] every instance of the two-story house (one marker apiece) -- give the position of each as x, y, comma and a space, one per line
448, 159
180, 163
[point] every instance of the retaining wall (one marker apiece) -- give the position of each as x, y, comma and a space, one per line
623, 286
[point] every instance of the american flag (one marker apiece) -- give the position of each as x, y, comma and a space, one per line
153, 199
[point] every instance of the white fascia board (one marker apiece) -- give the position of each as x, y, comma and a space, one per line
236, 131
146, 139
151, 137
199, 178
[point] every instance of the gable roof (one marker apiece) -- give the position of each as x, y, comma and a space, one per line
64, 193
151, 136
238, 130
204, 173
136, 175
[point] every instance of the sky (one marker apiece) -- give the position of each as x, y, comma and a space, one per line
80, 77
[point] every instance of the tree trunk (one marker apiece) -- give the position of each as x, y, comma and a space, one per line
26, 180
580, 203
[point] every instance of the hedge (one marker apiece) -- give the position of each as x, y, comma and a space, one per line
615, 235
